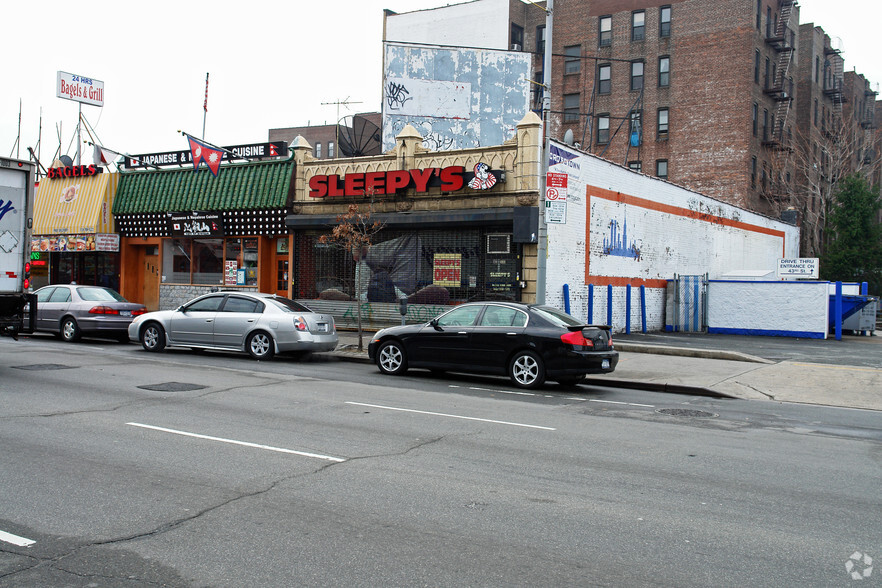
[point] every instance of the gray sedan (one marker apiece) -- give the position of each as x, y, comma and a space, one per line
259, 324
72, 310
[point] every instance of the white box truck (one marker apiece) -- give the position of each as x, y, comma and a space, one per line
16, 201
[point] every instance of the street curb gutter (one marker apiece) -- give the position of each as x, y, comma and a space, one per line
656, 387
361, 357
690, 352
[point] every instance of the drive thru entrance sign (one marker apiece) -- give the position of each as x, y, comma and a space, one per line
556, 198
803, 267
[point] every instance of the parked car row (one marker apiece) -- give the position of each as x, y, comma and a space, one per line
528, 343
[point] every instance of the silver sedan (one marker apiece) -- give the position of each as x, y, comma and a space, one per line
259, 324
72, 310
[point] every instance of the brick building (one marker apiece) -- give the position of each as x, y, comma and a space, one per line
719, 97
356, 135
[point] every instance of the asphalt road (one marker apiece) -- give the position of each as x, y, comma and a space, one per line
130, 469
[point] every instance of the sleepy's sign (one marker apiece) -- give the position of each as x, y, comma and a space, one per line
450, 179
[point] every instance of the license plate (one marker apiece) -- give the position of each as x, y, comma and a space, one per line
322, 327
605, 364
125, 313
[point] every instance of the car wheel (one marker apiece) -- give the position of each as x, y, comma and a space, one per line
526, 370
70, 330
570, 382
153, 337
260, 345
391, 358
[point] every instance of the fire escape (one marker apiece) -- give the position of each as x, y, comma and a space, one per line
833, 78
781, 87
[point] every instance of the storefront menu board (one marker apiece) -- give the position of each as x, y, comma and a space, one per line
98, 242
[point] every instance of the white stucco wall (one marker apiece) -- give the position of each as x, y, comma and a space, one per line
789, 309
482, 23
623, 227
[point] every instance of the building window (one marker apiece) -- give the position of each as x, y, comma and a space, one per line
201, 261
664, 21
538, 90
817, 69
636, 75
755, 118
572, 59
635, 128
331, 149
756, 66
753, 172
517, 37
318, 151
603, 128
604, 79
768, 22
765, 124
636, 166
664, 72
661, 168
766, 82
571, 108
605, 36
759, 14
540, 39
764, 177
663, 123
638, 25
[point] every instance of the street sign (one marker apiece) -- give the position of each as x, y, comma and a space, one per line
803, 267
556, 198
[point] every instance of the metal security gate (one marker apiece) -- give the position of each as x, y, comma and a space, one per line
687, 304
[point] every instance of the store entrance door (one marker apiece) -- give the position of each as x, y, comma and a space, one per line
151, 278
282, 280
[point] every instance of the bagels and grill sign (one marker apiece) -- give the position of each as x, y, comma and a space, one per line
449, 179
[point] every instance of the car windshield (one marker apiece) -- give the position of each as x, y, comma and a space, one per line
557, 317
100, 295
286, 304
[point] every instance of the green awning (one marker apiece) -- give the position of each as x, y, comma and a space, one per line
237, 187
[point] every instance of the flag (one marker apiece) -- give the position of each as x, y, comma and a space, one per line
202, 152
104, 156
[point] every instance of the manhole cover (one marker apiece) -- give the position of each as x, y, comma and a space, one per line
44, 366
172, 387
686, 412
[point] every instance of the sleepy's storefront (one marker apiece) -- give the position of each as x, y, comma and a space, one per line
185, 232
455, 226
73, 236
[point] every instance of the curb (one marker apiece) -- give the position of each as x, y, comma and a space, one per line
690, 352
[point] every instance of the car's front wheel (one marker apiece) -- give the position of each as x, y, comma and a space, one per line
70, 330
526, 370
260, 345
392, 358
153, 337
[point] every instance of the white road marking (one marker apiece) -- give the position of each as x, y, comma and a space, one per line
494, 391
242, 443
15, 539
453, 416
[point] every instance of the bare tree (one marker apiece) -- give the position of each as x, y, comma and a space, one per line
806, 170
354, 232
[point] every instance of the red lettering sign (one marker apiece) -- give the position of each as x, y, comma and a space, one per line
450, 179
73, 171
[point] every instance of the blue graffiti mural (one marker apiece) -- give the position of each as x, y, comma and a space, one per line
617, 243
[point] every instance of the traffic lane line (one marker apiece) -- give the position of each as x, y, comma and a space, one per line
242, 443
15, 539
452, 416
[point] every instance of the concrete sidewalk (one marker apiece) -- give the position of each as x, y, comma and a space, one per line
805, 371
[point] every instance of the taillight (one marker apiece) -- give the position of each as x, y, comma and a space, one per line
576, 338
139, 311
103, 310
26, 283
300, 324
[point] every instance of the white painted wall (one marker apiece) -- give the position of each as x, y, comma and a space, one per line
482, 23
670, 230
782, 308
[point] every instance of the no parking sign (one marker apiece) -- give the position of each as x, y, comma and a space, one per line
556, 198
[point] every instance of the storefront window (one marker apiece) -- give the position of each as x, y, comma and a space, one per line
229, 262
208, 257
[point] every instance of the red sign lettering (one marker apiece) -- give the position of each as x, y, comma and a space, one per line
450, 179
73, 171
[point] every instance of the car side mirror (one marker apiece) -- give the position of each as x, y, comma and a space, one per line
435, 325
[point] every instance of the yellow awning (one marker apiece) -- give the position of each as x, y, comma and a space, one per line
75, 205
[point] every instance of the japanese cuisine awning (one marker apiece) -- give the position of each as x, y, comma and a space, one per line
75, 205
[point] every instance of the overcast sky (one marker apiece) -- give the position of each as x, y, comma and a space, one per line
271, 63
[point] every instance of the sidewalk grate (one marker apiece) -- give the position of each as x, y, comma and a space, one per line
172, 387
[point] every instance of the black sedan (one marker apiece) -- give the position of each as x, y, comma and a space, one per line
528, 343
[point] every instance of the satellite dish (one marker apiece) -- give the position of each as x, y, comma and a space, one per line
569, 139
358, 136
66, 160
